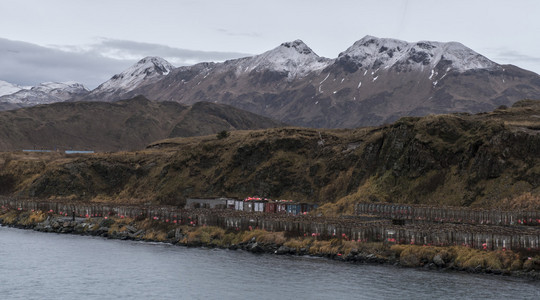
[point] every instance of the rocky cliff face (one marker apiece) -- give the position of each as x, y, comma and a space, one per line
458, 159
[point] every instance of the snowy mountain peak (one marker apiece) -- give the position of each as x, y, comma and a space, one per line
299, 46
47, 92
145, 70
294, 58
68, 86
161, 65
149, 66
373, 53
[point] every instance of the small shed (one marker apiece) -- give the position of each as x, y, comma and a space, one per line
281, 206
216, 203
259, 205
294, 208
254, 204
248, 206
238, 205
271, 207
231, 203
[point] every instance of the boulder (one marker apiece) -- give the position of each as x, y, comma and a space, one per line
439, 261
255, 248
283, 250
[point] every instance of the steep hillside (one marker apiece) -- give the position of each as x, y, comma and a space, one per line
485, 160
123, 125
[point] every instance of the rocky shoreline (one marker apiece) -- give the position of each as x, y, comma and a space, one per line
262, 242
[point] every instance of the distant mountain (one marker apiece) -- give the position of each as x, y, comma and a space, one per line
7, 88
146, 71
235, 81
14, 96
375, 81
293, 60
123, 125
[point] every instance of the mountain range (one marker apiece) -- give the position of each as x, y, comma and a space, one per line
375, 81
15, 96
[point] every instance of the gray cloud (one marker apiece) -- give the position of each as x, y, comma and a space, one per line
515, 55
506, 56
129, 49
232, 33
29, 64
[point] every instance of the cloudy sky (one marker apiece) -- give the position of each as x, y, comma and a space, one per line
90, 40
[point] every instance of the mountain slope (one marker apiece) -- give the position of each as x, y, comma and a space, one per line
44, 93
7, 88
375, 81
455, 159
145, 71
123, 125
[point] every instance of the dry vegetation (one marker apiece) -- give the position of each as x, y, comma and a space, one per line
456, 257
485, 160
466, 258
525, 201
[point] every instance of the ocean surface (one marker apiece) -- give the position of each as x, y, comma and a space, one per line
36, 265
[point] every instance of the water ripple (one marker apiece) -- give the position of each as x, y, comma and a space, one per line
36, 265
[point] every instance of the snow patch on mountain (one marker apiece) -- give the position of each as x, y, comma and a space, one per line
294, 58
7, 88
44, 93
373, 53
146, 70
68, 86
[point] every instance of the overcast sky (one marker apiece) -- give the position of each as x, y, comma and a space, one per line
89, 41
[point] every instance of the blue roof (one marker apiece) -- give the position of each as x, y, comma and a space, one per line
78, 151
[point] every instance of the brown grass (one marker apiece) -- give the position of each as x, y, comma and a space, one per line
298, 243
409, 255
269, 237
35, 217
462, 257
263, 236
205, 235
525, 201
10, 216
334, 175
152, 235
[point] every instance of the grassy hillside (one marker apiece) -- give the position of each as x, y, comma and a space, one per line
484, 160
123, 125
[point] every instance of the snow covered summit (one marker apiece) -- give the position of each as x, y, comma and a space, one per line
48, 87
47, 92
373, 53
294, 58
146, 70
